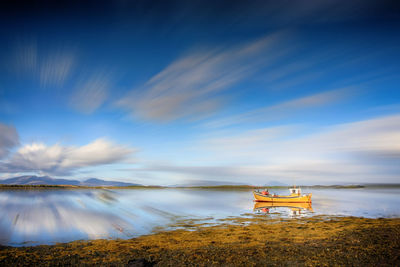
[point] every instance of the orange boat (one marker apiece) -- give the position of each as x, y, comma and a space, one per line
294, 197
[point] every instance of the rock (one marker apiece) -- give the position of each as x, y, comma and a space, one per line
140, 263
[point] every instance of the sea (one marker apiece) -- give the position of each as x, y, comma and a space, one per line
35, 217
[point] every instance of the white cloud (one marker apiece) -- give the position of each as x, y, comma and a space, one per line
190, 86
8, 139
64, 160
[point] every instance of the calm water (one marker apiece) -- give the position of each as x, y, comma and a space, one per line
50, 216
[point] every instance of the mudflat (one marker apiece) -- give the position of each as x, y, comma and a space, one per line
239, 241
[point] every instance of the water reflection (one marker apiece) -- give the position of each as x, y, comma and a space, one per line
106, 196
40, 217
294, 209
48, 216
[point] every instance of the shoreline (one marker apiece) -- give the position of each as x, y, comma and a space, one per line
217, 187
238, 241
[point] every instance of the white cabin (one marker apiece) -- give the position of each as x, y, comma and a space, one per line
294, 190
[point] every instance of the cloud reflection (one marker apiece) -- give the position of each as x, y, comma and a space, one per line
48, 216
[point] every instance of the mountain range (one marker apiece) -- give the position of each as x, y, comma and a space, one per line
45, 180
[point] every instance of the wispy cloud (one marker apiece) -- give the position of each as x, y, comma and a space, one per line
8, 139
49, 67
284, 109
55, 68
64, 160
357, 152
378, 136
310, 101
191, 85
25, 59
90, 94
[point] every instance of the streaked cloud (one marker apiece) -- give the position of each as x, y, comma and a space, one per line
50, 67
315, 100
90, 94
25, 59
378, 136
8, 139
357, 152
55, 68
191, 85
64, 160
284, 109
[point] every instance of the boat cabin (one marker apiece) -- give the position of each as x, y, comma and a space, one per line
295, 191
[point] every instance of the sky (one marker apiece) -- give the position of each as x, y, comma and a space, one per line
201, 92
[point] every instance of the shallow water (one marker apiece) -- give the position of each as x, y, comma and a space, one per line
29, 217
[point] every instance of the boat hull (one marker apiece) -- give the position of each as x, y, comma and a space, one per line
282, 199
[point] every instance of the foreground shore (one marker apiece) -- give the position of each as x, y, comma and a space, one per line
255, 241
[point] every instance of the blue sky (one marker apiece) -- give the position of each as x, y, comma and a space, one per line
194, 92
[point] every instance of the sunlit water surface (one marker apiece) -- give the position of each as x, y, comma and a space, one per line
50, 216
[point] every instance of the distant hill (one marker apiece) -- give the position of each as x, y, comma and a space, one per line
197, 183
38, 180
45, 180
99, 182
275, 183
